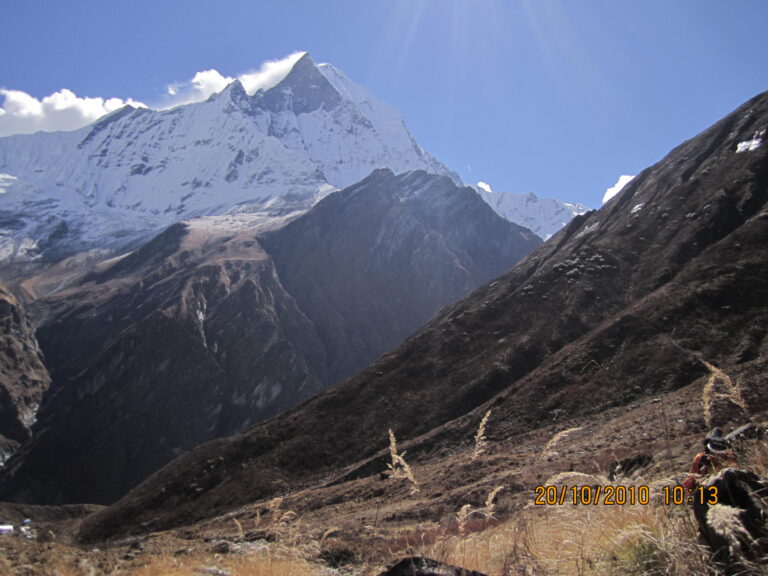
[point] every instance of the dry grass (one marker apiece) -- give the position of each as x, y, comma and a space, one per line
166, 555
394, 465
486, 512
575, 479
398, 467
549, 450
601, 540
653, 539
579, 540
266, 563
481, 444
462, 516
490, 501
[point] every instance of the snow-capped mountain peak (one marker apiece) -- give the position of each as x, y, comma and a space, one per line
543, 216
304, 90
137, 170
315, 102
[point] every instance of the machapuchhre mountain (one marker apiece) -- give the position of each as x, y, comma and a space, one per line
622, 305
114, 184
136, 171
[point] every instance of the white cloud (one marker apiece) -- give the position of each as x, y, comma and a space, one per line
62, 110
623, 180
201, 87
269, 73
484, 186
21, 113
209, 82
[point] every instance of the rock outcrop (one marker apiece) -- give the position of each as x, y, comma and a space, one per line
23, 376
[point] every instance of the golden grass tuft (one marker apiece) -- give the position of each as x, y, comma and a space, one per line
487, 511
408, 474
398, 467
481, 444
490, 504
462, 516
394, 465
549, 450
239, 527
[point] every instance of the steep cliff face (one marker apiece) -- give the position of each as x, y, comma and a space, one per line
23, 377
623, 303
201, 332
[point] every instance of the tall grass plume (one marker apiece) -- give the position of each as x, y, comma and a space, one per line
398, 467
481, 444
549, 450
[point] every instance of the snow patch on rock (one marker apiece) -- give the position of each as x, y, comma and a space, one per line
751, 145
623, 180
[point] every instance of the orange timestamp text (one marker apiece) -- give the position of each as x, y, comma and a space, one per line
592, 495
620, 495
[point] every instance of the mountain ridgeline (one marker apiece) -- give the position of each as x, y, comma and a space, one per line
204, 331
622, 304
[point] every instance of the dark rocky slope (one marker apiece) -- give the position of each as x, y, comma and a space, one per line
157, 354
623, 303
197, 334
371, 264
23, 377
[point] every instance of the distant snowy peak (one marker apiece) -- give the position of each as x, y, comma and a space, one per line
543, 216
135, 170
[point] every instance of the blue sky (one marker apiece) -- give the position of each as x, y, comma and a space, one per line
557, 97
